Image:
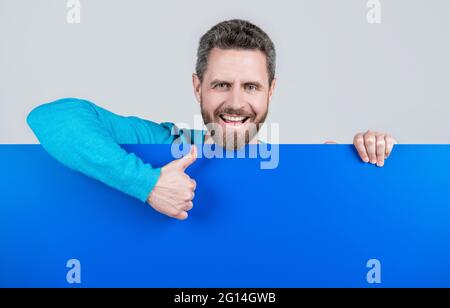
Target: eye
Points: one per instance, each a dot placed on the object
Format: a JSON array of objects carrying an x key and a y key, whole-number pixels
[
  {"x": 252, "y": 87},
  {"x": 222, "y": 86}
]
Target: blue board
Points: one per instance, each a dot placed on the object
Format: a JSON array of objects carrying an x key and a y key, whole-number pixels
[{"x": 314, "y": 221}]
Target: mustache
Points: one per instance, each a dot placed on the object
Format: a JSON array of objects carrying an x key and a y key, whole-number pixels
[{"x": 237, "y": 112}]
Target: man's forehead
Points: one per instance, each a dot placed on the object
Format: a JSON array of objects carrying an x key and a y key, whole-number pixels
[
  {"x": 236, "y": 65},
  {"x": 242, "y": 57}
]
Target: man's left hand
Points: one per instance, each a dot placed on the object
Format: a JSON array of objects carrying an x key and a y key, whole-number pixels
[{"x": 374, "y": 147}]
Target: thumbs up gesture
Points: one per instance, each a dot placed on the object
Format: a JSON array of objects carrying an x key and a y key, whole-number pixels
[{"x": 174, "y": 191}]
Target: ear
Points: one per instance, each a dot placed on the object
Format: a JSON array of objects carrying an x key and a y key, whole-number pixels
[
  {"x": 197, "y": 85},
  {"x": 272, "y": 88}
]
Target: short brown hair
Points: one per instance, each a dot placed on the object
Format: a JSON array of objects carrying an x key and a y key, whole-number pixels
[{"x": 235, "y": 34}]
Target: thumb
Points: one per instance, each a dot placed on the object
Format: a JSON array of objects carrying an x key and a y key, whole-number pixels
[{"x": 188, "y": 159}]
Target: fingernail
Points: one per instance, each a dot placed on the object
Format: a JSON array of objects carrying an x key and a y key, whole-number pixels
[{"x": 380, "y": 164}]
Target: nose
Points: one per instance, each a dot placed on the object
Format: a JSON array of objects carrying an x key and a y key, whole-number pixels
[{"x": 236, "y": 99}]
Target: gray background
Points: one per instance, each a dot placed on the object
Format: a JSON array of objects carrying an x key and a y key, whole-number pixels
[{"x": 337, "y": 74}]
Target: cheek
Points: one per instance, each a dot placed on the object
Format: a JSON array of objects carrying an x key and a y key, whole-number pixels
[
  {"x": 211, "y": 100},
  {"x": 259, "y": 103}
]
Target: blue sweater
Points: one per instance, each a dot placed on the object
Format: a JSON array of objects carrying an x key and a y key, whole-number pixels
[{"x": 86, "y": 138}]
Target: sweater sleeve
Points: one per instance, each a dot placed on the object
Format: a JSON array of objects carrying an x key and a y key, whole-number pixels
[{"x": 86, "y": 138}]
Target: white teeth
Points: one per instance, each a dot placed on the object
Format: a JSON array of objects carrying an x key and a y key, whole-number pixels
[{"x": 233, "y": 119}]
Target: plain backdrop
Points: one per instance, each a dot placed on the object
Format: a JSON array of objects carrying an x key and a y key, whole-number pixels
[{"x": 337, "y": 74}]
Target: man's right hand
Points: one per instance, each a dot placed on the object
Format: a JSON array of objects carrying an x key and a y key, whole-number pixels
[{"x": 174, "y": 190}]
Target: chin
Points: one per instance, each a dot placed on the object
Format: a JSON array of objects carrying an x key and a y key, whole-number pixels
[{"x": 234, "y": 140}]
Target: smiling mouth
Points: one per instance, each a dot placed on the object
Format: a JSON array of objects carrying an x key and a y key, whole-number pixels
[{"x": 233, "y": 119}]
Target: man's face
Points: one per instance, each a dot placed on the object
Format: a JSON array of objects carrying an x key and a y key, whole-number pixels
[{"x": 234, "y": 95}]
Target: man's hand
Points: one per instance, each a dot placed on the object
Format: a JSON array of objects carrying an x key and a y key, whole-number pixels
[
  {"x": 374, "y": 147},
  {"x": 174, "y": 190}
]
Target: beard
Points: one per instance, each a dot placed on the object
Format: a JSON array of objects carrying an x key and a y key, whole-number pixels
[{"x": 230, "y": 138}]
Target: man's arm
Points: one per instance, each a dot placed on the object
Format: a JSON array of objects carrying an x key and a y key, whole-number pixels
[{"x": 86, "y": 138}]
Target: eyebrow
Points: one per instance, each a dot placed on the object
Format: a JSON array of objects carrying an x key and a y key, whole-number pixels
[{"x": 218, "y": 81}]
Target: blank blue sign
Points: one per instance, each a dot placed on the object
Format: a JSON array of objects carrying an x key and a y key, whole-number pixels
[{"x": 317, "y": 220}]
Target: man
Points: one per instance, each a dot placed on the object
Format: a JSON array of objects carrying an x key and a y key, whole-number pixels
[{"x": 234, "y": 83}]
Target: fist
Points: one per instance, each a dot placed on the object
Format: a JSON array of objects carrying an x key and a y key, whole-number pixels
[
  {"x": 374, "y": 147},
  {"x": 174, "y": 191}
]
